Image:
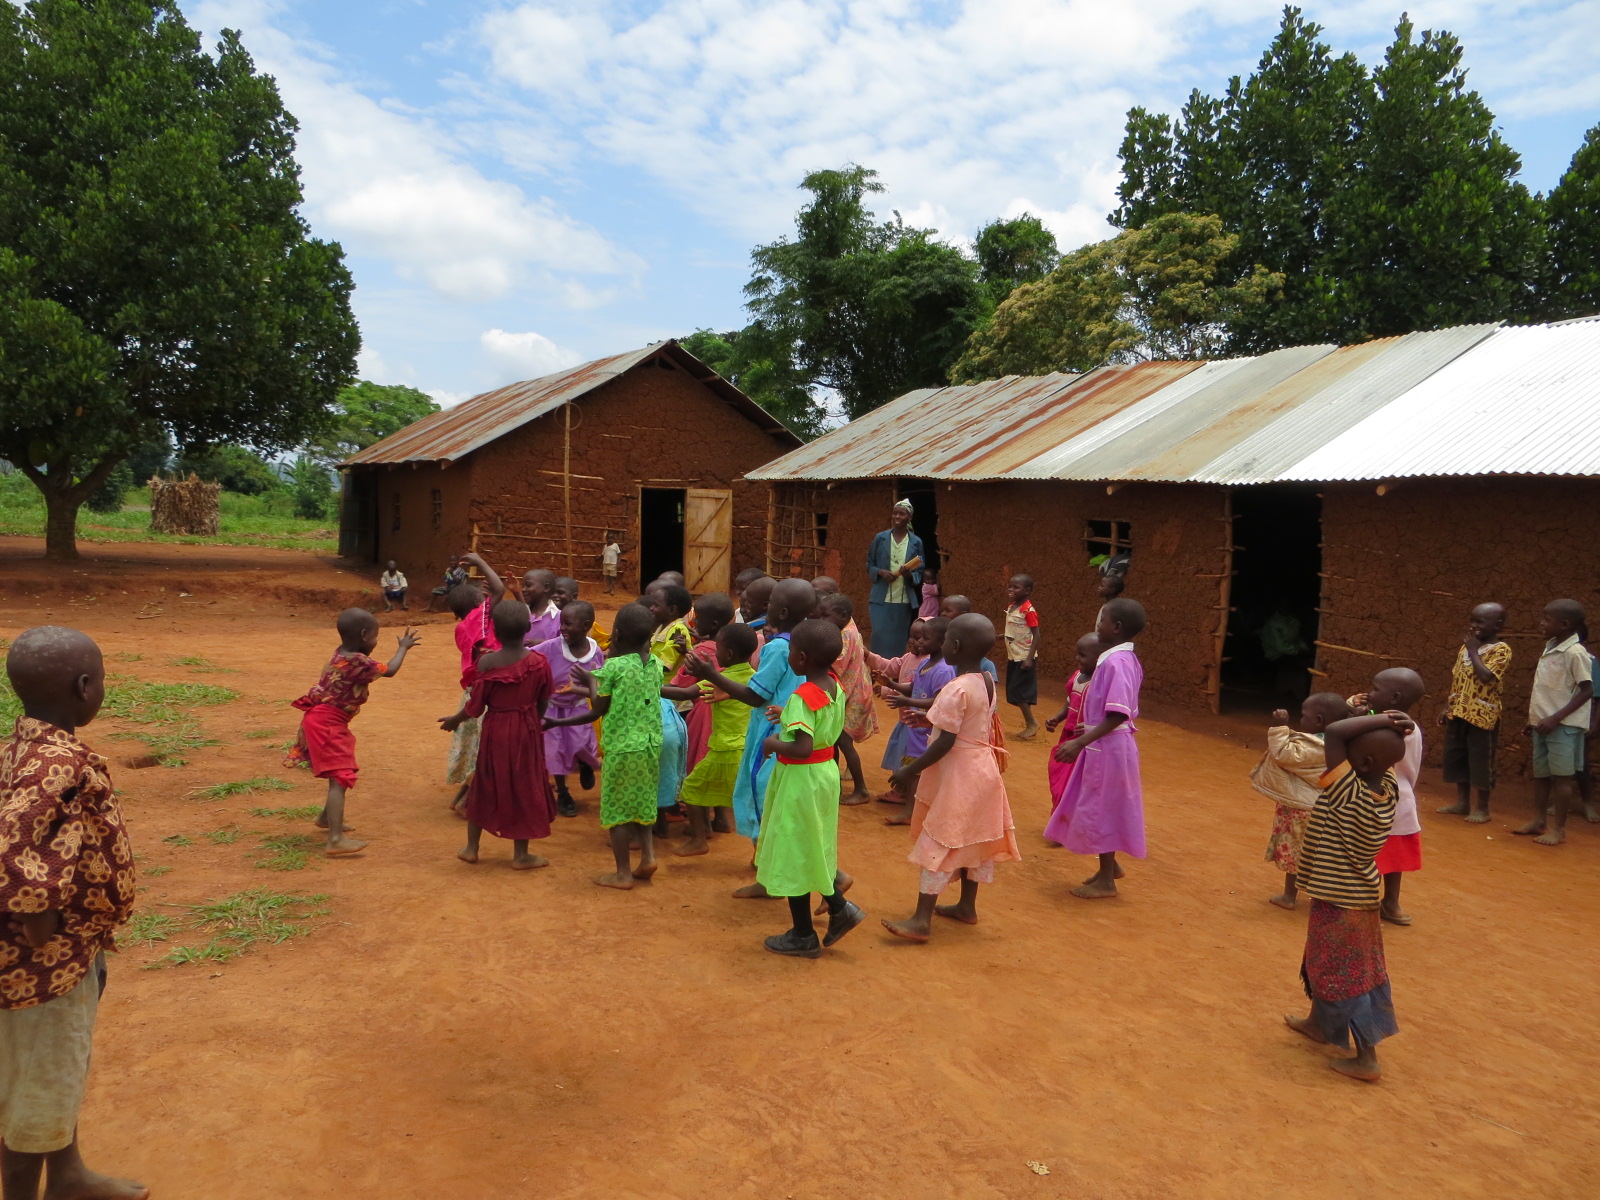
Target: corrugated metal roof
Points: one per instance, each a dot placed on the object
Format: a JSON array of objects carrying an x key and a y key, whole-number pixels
[
  {"x": 1509, "y": 405},
  {"x": 455, "y": 433}
]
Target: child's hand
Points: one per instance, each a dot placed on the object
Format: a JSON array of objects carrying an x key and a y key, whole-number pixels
[
  {"x": 1401, "y": 721},
  {"x": 901, "y": 779},
  {"x": 895, "y": 699},
  {"x": 582, "y": 677},
  {"x": 1280, "y": 716},
  {"x": 451, "y": 723},
  {"x": 773, "y": 713},
  {"x": 1052, "y": 724},
  {"x": 698, "y": 667},
  {"x": 1358, "y": 702},
  {"x": 771, "y": 745},
  {"x": 37, "y": 928},
  {"x": 1548, "y": 726},
  {"x": 1068, "y": 751},
  {"x": 408, "y": 639}
]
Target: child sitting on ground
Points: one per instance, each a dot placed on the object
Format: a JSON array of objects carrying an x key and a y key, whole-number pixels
[
  {"x": 1399, "y": 689},
  {"x": 66, "y": 885},
  {"x": 860, "y": 714},
  {"x": 930, "y": 676},
  {"x": 1471, "y": 716},
  {"x": 454, "y": 576},
  {"x": 569, "y": 748},
  {"x": 1290, "y": 774},
  {"x": 325, "y": 743},
  {"x": 708, "y": 788},
  {"x": 472, "y": 604},
  {"x": 1343, "y": 968},
  {"x": 1070, "y": 719},
  {"x": 626, "y": 691},
  {"x": 1558, "y": 719},
  {"x": 1102, "y": 810},
  {"x": 510, "y": 793},
  {"x": 797, "y": 849},
  {"x": 963, "y": 820},
  {"x": 1022, "y": 652},
  {"x": 393, "y": 584}
]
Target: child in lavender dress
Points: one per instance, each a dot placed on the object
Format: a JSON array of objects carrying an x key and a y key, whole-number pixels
[
  {"x": 926, "y": 683},
  {"x": 1102, "y": 810},
  {"x": 569, "y": 748}
]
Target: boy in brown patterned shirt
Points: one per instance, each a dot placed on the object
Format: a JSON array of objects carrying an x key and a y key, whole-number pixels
[{"x": 66, "y": 883}]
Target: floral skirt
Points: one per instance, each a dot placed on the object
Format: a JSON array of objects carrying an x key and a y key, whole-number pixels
[
  {"x": 464, "y": 749},
  {"x": 1288, "y": 831},
  {"x": 1345, "y": 975}
]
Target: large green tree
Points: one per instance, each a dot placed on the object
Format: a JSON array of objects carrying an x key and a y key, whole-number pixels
[
  {"x": 752, "y": 360},
  {"x": 866, "y": 308},
  {"x": 1573, "y": 287},
  {"x": 365, "y": 413},
  {"x": 154, "y": 271},
  {"x": 1170, "y": 289},
  {"x": 1012, "y": 252}
]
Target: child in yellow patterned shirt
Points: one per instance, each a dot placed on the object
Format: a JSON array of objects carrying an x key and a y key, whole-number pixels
[{"x": 1471, "y": 717}]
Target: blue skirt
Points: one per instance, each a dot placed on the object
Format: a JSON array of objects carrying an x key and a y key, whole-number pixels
[
  {"x": 891, "y": 627},
  {"x": 674, "y": 755}
]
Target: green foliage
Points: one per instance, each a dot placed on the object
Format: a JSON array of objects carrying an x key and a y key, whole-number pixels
[
  {"x": 366, "y": 413},
  {"x": 178, "y": 839},
  {"x": 286, "y": 852},
  {"x": 154, "y": 272},
  {"x": 165, "y": 705},
  {"x": 239, "y": 922},
  {"x": 237, "y": 469},
  {"x": 304, "y": 812},
  {"x": 1385, "y": 199},
  {"x": 10, "y": 706},
  {"x": 146, "y": 929},
  {"x": 1574, "y": 212},
  {"x": 312, "y": 488},
  {"x": 1155, "y": 292},
  {"x": 753, "y": 362},
  {"x": 1013, "y": 252},
  {"x": 226, "y": 836},
  {"x": 110, "y": 496},
  {"x": 243, "y": 787}
]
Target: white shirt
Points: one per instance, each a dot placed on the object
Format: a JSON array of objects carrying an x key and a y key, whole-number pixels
[
  {"x": 611, "y": 554},
  {"x": 1406, "y": 773},
  {"x": 393, "y": 581}
]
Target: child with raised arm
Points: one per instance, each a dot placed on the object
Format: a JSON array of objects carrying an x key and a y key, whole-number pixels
[
  {"x": 1343, "y": 968},
  {"x": 1290, "y": 775},
  {"x": 569, "y": 748},
  {"x": 1558, "y": 720},
  {"x": 1102, "y": 810},
  {"x": 626, "y": 691},
  {"x": 709, "y": 785},
  {"x": 769, "y": 689},
  {"x": 1471, "y": 716},
  {"x": 1399, "y": 689},
  {"x": 326, "y": 744},
  {"x": 471, "y": 602},
  {"x": 510, "y": 793},
  {"x": 797, "y": 849},
  {"x": 932, "y": 673},
  {"x": 860, "y": 714},
  {"x": 66, "y": 885},
  {"x": 963, "y": 820},
  {"x": 1070, "y": 719},
  {"x": 1022, "y": 652}
]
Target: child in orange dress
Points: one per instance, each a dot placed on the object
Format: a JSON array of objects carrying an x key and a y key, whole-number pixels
[
  {"x": 962, "y": 823},
  {"x": 860, "y": 715}
]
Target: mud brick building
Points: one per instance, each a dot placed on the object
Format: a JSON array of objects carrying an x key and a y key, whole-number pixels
[
  {"x": 1366, "y": 496},
  {"x": 651, "y": 444}
]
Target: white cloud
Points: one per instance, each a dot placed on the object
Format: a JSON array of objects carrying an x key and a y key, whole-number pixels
[{"x": 529, "y": 354}]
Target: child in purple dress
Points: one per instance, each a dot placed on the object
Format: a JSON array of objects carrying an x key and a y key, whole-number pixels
[
  {"x": 569, "y": 748},
  {"x": 927, "y": 681},
  {"x": 1102, "y": 810}
]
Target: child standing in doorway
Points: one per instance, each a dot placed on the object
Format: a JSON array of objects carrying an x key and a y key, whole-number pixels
[
  {"x": 1022, "y": 652},
  {"x": 932, "y": 597},
  {"x": 1558, "y": 719},
  {"x": 1471, "y": 716},
  {"x": 569, "y": 748},
  {"x": 1102, "y": 810},
  {"x": 1290, "y": 774}
]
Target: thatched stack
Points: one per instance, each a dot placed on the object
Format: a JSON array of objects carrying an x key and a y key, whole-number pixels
[{"x": 184, "y": 505}]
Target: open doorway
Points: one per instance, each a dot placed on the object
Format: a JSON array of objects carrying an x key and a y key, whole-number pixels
[
  {"x": 660, "y": 532},
  {"x": 925, "y": 515},
  {"x": 1276, "y": 590}
]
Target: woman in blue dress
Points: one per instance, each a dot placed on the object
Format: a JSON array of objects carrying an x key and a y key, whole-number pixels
[{"x": 895, "y": 567}]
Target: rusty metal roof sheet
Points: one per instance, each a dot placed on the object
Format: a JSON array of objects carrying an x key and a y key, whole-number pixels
[
  {"x": 455, "y": 433},
  {"x": 1522, "y": 401}
]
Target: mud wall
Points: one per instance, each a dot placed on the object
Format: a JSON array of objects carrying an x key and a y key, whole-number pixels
[
  {"x": 1402, "y": 571},
  {"x": 991, "y": 531},
  {"x": 421, "y": 518}
]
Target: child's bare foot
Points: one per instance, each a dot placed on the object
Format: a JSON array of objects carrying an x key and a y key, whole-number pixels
[
  {"x": 1478, "y": 816},
  {"x": 84, "y": 1184},
  {"x": 1304, "y": 1027},
  {"x": 467, "y": 854},
  {"x": 1393, "y": 915},
  {"x": 956, "y": 912},
  {"x": 1534, "y": 826},
  {"x": 1356, "y": 1069},
  {"x": 1096, "y": 888},
  {"x": 752, "y": 891},
  {"x": 526, "y": 862},
  {"x": 911, "y": 929},
  {"x": 322, "y": 823},
  {"x": 692, "y": 847},
  {"x": 891, "y": 797},
  {"x": 720, "y": 825},
  {"x": 646, "y": 868},
  {"x": 1554, "y": 838},
  {"x": 1118, "y": 874},
  {"x": 1591, "y": 814},
  {"x": 859, "y": 796},
  {"x": 341, "y": 846},
  {"x": 1457, "y": 809},
  {"x": 1283, "y": 900},
  {"x": 1029, "y": 732},
  {"x": 899, "y": 818},
  {"x": 620, "y": 880}
]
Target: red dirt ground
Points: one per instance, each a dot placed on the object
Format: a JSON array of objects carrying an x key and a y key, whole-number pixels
[{"x": 475, "y": 1032}]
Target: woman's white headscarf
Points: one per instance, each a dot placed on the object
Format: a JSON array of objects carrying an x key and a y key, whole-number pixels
[{"x": 905, "y": 504}]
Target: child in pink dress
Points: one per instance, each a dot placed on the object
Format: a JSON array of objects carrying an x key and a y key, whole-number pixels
[
  {"x": 932, "y": 598},
  {"x": 1070, "y": 718},
  {"x": 893, "y": 674},
  {"x": 1102, "y": 810},
  {"x": 860, "y": 714},
  {"x": 963, "y": 820}
]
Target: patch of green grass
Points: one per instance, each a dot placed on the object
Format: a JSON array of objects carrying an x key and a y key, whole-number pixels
[
  {"x": 167, "y": 705},
  {"x": 129, "y": 657},
  {"x": 286, "y": 852},
  {"x": 306, "y": 812},
  {"x": 153, "y": 872},
  {"x": 146, "y": 929},
  {"x": 243, "y": 787},
  {"x": 10, "y": 706},
  {"x": 226, "y": 836},
  {"x": 244, "y": 920},
  {"x": 256, "y": 735},
  {"x": 195, "y": 663},
  {"x": 178, "y": 839}
]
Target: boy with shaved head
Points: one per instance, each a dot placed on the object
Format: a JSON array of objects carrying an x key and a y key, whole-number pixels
[
  {"x": 1558, "y": 718},
  {"x": 1471, "y": 716},
  {"x": 66, "y": 884},
  {"x": 1398, "y": 689}
]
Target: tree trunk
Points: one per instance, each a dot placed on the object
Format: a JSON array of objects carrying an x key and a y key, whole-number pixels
[{"x": 61, "y": 524}]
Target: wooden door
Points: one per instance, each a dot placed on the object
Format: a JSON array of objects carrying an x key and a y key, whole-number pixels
[{"x": 707, "y": 540}]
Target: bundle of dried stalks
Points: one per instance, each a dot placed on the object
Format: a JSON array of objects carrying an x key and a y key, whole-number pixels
[{"x": 184, "y": 505}]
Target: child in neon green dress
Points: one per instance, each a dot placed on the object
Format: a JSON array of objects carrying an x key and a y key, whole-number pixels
[
  {"x": 797, "y": 850},
  {"x": 710, "y": 784}
]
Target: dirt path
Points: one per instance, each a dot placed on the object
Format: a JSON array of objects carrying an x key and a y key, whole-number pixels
[{"x": 476, "y": 1032}]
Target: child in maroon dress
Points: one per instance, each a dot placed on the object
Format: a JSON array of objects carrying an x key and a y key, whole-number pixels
[{"x": 510, "y": 794}]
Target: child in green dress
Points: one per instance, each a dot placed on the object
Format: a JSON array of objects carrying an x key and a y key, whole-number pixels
[
  {"x": 797, "y": 850},
  {"x": 627, "y": 693},
  {"x": 710, "y": 785}
]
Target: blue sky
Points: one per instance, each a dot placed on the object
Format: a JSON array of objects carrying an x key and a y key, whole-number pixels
[{"x": 523, "y": 186}]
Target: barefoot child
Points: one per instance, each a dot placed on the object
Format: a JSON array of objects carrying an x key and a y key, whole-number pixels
[
  {"x": 510, "y": 793},
  {"x": 325, "y": 743},
  {"x": 1290, "y": 774},
  {"x": 474, "y": 635},
  {"x": 860, "y": 714},
  {"x": 893, "y": 677},
  {"x": 1070, "y": 719},
  {"x": 929, "y": 679},
  {"x": 569, "y": 748},
  {"x": 626, "y": 691},
  {"x": 1471, "y": 716},
  {"x": 610, "y": 560},
  {"x": 797, "y": 850},
  {"x": 709, "y": 785},
  {"x": 712, "y": 613},
  {"x": 1399, "y": 688},
  {"x": 1102, "y": 810},
  {"x": 1343, "y": 967},
  {"x": 1022, "y": 652},
  {"x": 393, "y": 584},
  {"x": 963, "y": 820},
  {"x": 66, "y": 884},
  {"x": 1558, "y": 718}
]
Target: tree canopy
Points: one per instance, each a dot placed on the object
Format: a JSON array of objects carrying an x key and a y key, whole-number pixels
[
  {"x": 1013, "y": 252},
  {"x": 154, "y": 271},
  {"x": 1573, "y": 287},
  {"x": 365, "y": 413},
  {"x": 751, "y": 360}
]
